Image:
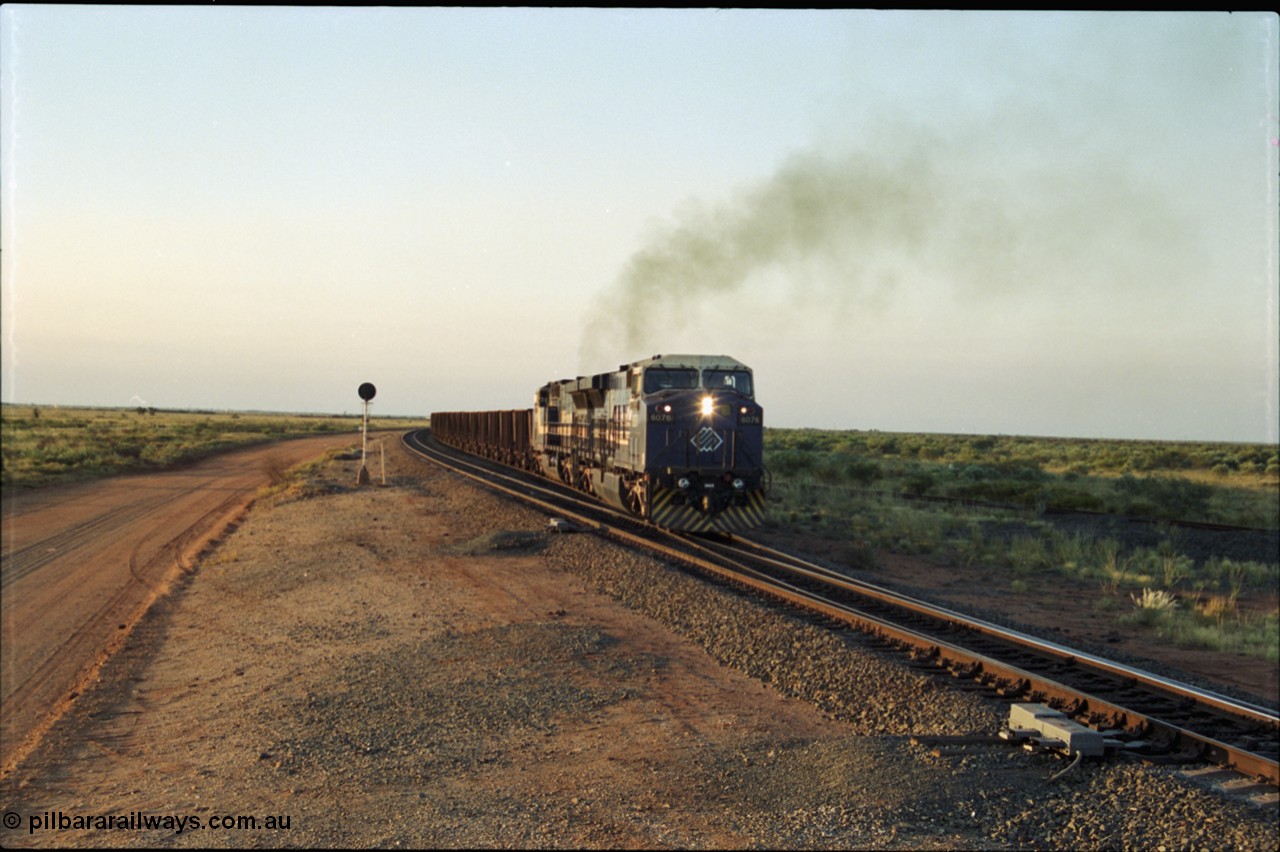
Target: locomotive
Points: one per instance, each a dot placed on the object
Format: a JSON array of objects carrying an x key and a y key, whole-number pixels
[{"x": 675, "y": 439}]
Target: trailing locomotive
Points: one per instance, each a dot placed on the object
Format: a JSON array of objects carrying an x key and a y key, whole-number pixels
[{"x": 675, "y": 439}]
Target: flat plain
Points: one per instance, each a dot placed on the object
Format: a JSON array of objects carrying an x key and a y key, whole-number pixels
[{"x": 382, "y": 666}]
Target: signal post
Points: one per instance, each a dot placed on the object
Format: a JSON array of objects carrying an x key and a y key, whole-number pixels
[{"x": 367, "y": 392}]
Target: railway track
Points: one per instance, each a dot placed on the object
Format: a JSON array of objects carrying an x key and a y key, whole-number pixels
[{"x": 1141, "y": 713}]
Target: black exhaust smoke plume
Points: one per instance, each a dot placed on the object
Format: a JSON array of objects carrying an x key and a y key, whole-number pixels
[
  {"x": 813, "y": 211},
  {"x": 847, "y": 234}
]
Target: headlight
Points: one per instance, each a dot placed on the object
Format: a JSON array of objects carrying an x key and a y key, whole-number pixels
[
  {"x": 707, "y": 405},
  {"x": 682, "y": 482},
  {"x": 738, "y": 485}
]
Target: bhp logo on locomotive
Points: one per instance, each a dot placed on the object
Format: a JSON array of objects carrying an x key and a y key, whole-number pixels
[{"x": 707, "y": 440}]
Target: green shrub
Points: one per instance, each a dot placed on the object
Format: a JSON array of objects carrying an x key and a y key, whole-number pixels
[
  {"x": 918, "y": 484},
  {"x": 1164, "y": 497},
  {"x": 1065, "y": 498},
  {"x": 1013, "y": 491}
]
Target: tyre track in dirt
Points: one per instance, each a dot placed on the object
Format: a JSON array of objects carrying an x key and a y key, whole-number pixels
[
  {"x": 20, "y": 563},
  {"x": 82, "y": 563}
]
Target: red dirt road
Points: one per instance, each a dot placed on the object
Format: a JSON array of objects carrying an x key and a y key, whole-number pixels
[{"x": 81, "y": 563}]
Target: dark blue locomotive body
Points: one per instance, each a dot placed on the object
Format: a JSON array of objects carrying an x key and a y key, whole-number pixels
[{"x": 676, "y": 439}]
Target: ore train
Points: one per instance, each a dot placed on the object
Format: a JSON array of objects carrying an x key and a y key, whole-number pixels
[{"x": 675, "y": 439}]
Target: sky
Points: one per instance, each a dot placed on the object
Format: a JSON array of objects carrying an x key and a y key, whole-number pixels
[{"x": 1032, "y": 223}]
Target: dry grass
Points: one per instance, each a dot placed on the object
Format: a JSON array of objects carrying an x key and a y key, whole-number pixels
[{"x": 43, "y": 445}]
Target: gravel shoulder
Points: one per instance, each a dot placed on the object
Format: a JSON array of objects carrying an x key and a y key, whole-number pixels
[{"x": 423, "y": 664}]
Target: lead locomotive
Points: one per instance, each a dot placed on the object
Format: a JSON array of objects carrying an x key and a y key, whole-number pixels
[{"x": 675, "y": 439}]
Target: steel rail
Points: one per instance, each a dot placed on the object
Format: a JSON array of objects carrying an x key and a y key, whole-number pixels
[
  {"x": 1064, "y": 664},
  {"x": 1227, "y": 704},
  {"x": 729, "y": 563},
  {"x": 555, "y": 497}
]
